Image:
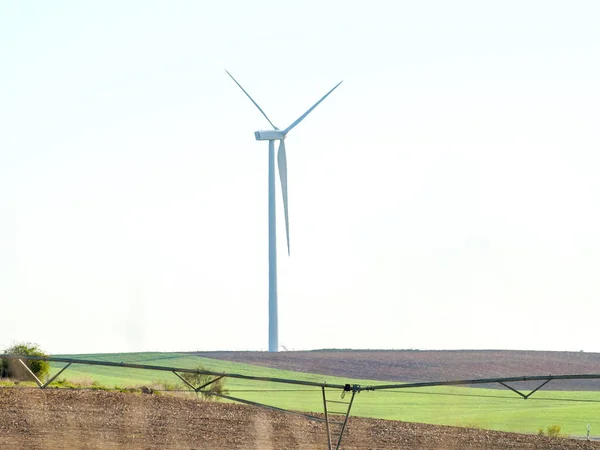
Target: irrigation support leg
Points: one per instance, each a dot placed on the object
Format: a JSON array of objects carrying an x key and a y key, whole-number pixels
[
  {"x": 199, "y": 388},
  {"x": 326, "y": 419},
  {"x": 37, "y": 380},
  {"x": 55, "y": 376},
  {"x": 346, "y": 419},
  {"x": 525, "y": 396},
  {"x": 184, "y": 380},
  {"x": 539, "y": 387}
]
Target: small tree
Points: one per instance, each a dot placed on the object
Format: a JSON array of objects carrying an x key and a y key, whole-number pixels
[
  {"x": 14, "y": 369},
  {"x": 199, "y": 379}
]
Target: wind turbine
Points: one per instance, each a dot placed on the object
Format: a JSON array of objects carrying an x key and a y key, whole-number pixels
[{"x": 276, "y": 135}]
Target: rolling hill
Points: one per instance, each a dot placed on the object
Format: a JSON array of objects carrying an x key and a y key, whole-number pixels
[{"x": 428, "y": 365}]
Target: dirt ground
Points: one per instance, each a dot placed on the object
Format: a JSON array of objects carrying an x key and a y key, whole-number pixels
[{"x": 78, "y": 419}]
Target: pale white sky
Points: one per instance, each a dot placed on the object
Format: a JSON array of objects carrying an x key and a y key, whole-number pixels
[{"x": 445, "y": 196}]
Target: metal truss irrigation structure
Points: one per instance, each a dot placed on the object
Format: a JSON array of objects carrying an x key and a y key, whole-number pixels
[{"x": 335, "y": 421}]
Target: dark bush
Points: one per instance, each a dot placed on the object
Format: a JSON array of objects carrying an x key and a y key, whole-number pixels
[{"x": 14, "y": 369}]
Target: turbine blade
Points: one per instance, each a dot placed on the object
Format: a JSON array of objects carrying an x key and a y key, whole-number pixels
[
  {"x": 282, "y": 163},
  {"x": 301, "y": 118},
  {"x": 252, "y": 100}
]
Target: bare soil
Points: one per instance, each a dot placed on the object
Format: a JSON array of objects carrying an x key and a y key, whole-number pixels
[
  {"x": 429, "y": 365},
  {"x": 74, "y": 419}
]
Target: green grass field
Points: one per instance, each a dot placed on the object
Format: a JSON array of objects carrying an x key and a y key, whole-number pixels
[{"x": 456, "y": 406}]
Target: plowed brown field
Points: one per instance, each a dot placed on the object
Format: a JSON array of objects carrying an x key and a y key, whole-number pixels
[
  {"x": 429, "y": 365},
  {"x": 70, "y": 419}
]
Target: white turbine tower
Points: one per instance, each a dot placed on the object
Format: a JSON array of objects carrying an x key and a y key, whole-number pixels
[{"x": 276, "y": 135}]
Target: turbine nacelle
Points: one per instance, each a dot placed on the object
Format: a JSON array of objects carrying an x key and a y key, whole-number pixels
[{"x": 269, "y": 135}]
